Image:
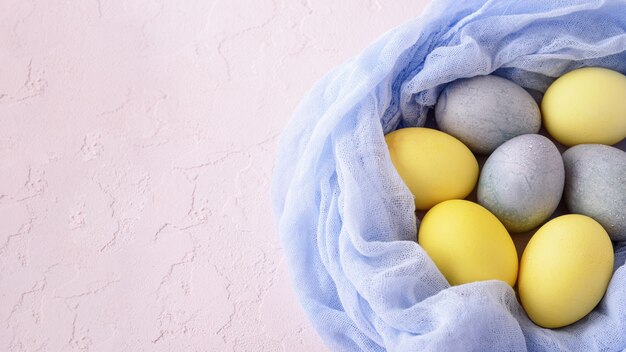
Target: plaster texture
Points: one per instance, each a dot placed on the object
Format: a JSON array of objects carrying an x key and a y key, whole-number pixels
[{"x": 137, "y": 141}]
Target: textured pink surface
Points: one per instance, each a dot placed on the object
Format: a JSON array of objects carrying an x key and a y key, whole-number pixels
[{"x": 137, "y": 140}]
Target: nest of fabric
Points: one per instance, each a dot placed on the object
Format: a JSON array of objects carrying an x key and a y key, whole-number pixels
[{"x": 346, "y": 219}]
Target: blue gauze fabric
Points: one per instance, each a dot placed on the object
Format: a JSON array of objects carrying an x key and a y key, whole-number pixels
[{"x": 347, "y": 221}]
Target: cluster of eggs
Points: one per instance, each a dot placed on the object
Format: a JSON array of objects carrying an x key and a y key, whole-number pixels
[{"x": 566, "y": 266}]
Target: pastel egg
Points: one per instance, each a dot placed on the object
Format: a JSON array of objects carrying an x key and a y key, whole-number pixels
[
  {"x": 595, "y": 185},
  {"x": 485, "y": 111},
  {"x": 434, "y": 165},
  {"x": 586, "y": 106},
  {"x": 565, "y": 270},
  {"x": 468, "y": 243},
  {"x": 522, "y": 182}
]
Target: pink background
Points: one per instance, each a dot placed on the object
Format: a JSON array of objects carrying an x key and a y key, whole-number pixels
[{"x": 137, "y": 141}]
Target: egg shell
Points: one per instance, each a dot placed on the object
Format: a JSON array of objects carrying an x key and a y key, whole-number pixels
[
  {"x": 522, "y": 182},
  {"x": 486, "y": 111},
  {"x": 595, "y": 185},
  {"x": 586, "y": 106},
  {"x": 468, "y": 243},
  {"x": 565, "y": 270},
  {"x": 434, "y": 165}
]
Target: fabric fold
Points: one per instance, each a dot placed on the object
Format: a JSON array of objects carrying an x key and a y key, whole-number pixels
[{"x": 346, "y": 220}]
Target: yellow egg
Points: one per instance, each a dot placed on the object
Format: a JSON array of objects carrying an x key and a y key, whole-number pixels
[
  {"x": 587, "y": 105},
  {"x": 468, "y": 243},
  {"x": 434, "y": 165},
  {"x": 565, "y": 270}
]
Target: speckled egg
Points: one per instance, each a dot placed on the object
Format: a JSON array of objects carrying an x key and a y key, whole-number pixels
[
  {"x": 595, "y": 185},
  {"x": 485, "y": 111},
  {"x": 522, "y": 182}
]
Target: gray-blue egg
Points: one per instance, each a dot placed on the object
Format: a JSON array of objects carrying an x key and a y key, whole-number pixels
[
  {"x": 522, "y": 182},
  {"x": 485, "y": 111},
  {"x": 595, "y": 185}
]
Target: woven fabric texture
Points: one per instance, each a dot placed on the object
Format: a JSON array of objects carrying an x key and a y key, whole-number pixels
[{"x": 347, "y": 221}]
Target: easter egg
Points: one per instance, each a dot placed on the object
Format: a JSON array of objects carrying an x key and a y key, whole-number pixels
[
  {"x": 522, "y": 182},
  {"x": 586, "y": 106},
  {"x": 565, "y": 270},
  {"x": 595, "y": 185},
  {"x": 434, "y": 165},
  {"x": 468, "y": 243},
  {"x": 486, "y": 111}
]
